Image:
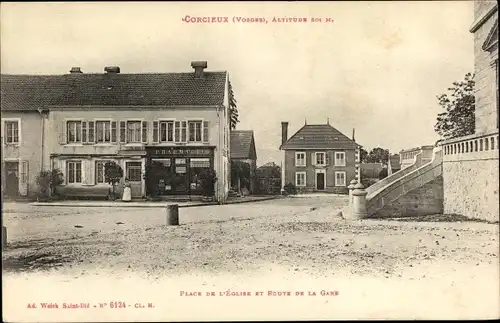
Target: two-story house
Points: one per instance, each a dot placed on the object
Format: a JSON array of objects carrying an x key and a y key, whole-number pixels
[
  {"x": 177, "y": 122},
  {"x": 22, "y": 121},
  {"x": 319, "y": 158}
]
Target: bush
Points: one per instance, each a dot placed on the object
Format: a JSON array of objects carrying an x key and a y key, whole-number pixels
[
  {"x": 383, "y": 173},
  {"x": 208, "y": 178},
  {"x": 43, "y": 181},
  {"x": 290, "y": 189},
  {"x": 113, "y": 173},
  {"x": 48, "y": 181}
]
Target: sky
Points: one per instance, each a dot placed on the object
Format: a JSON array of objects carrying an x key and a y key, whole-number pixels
[{"x": 377, "y": 67}]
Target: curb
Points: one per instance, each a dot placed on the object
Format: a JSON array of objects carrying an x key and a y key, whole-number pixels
[{"x": 146, "y": 205}]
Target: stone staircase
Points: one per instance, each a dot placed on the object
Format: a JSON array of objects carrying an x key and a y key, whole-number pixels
[{"x": 412, "y": 191}]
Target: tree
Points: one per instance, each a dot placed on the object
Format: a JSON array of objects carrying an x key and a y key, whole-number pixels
[
  {"x": 378, "y": 155},
  {"x": 113, "y": 173},
  {"x": 208, "y": 178},
  {"x": 48, "y": 181},
  {"x": 233, "y": 109},
  {"x": 363, "y": 155},
  {"x": 458, "y": 119},
  {"x": 240, "y": 174}
]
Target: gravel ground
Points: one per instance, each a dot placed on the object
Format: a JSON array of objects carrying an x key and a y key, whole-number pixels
[{"x": 299, "y": 242}]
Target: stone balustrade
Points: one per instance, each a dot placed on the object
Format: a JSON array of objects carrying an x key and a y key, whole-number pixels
[
  {"x": 407, "y": 156},
  {"x": 473, "y": 147}
]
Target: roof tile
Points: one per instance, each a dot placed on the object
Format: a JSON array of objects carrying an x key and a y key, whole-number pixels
[{"x": 29, "y": 92}]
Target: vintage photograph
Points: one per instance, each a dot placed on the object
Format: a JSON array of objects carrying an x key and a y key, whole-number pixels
[{"x": 229, "y": 161}]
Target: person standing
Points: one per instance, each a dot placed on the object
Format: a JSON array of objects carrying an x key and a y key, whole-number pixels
[{"x": 127, "y": 194}]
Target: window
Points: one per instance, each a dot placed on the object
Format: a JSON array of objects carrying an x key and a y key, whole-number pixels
[
  {"x": 74, "y": 131},
  {"x": 99, "y": 172},
  {"x": 166, "y": 131},
  {"x": 195, "y": 131},
  {"x": 300, "y": 179},
  {"x": 320, "y": 159},
  {"x": 74, "y": 172},
  {"x": 134, "y": 171},
  {"x": 300, "y": 159},
  {"x": 103, "y": 131},
  {"x": 340, "y": 179},
  {"x": 11, "y": 132},
  {"x": 339, "y": 158},
  {"x": 134, "y": 132}
]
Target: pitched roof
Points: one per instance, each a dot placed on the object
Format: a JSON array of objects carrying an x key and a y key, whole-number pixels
[
  {"x": 322, "y": 136},
  {"x": 29, "y": 92},
  {"x": 242, "y": 144}
]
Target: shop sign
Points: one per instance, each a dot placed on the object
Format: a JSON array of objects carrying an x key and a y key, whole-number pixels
[{"x": 181, "y": 151}]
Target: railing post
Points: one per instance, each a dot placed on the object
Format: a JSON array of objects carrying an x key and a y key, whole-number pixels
[
  {"x": 351, "y": 189},
  {"x": 359, "y": 202}
]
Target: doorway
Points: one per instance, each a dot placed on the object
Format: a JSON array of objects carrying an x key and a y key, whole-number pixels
[
  {"x": 320, "y": 179},
  {"x": 134, "y": 175},
  {"x": 11, "y": 179}
]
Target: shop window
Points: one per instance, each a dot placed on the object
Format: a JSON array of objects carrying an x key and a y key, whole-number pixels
[{"x": 196, "y": 167}]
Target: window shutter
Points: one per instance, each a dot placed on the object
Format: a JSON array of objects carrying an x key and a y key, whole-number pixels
[
  {"x": 123, "y": 132},
  {"x": 296, "y": 164},
  {"x": 327, "y": 158},
  {"x": 156, "y": 138},
  {"x": 144, "y": 132},
  {"x": 84, "y": 132},
  {"x": 205, "y": 131},
  {"x": 313, "y": 158},
  {"x": 23, "y": 179},
  {"x": 87, "y": 165},
  {"x": 113, "y": 132},
  {"x": 61, "y": 164},
  {"x": 183, "y": 131},
  {"x": 91, "y": 132},
  {"x": 62, "y": 133}
]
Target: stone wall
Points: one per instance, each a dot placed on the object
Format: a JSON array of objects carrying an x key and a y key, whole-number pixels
[
  {"x": 424, "y": 200},
  {"x": 471, "y": 188}
]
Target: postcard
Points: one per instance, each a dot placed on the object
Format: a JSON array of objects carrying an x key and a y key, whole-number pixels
[{"x": 229, "y": 161}]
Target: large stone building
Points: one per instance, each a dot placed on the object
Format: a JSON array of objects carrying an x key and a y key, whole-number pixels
[
  {"x": 470, "y": 164},
  {"x": 177, "y": 122},
  {"x": 319, "y": 158}
]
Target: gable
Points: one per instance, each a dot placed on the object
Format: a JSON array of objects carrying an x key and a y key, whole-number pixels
[
  {"x": 492, "y": 37},
  {"x": 242, "y": 145},
  {"x": 319, "y": 137}
]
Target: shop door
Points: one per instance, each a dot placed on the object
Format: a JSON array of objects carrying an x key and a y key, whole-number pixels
[
  {"x": 181, "y": 179},
  {"x": 134, "y": 175}
]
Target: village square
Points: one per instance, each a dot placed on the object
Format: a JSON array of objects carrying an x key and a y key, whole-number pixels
[{"x": 156, "y": 176}]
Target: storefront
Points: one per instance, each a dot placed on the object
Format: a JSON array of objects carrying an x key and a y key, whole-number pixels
[{"x": 177, "y": 170}]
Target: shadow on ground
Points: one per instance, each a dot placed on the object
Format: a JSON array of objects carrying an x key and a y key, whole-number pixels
[{"x": 30, "y": 262}]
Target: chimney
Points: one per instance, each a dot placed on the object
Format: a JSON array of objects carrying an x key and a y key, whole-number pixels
[
  {"x": 353, "y": 130},
  {"x": 198, "y": 66},
  {"x": 112, "y": 69},
  {"x": 75, "y": 70},
  {"x": 284, "y": 132}
]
